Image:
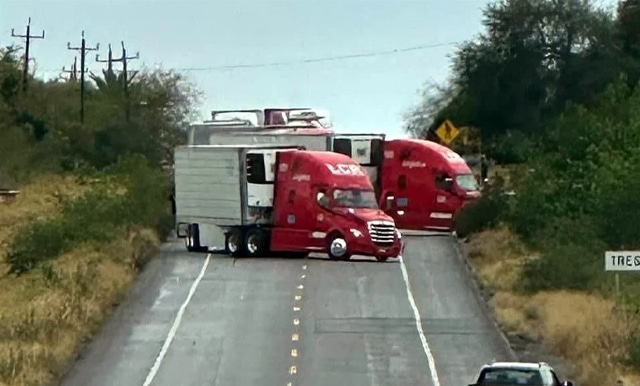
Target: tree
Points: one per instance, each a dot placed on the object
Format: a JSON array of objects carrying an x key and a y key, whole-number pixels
[
  {"x": 533, "y": 58},
  {"x": 42, "y": 132}
]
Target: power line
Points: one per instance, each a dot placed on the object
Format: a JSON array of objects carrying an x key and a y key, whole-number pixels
[
  {"x": 318, "y": 60},
  {"x": 312, "y": 60},
  {"x": 27, "y": 37}
]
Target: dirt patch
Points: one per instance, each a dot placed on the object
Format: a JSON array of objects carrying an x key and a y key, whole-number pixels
[
  {"x": 578, "y": 333},
  {"x": 47, "y": 314}
]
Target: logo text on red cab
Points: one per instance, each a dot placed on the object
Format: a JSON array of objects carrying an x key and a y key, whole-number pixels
[{"x": 345, "y": 170}]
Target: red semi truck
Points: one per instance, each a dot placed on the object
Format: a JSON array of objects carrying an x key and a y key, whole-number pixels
[
  {"x": 279, "y": 199},
  {"x": 421, "y": 184},
  {"x": 424, "y": 183}
]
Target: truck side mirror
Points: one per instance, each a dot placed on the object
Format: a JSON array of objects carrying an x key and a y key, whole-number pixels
[
  {"x": 182, "y": 230},
  {"x": 323, "y": 200},
  {"x": 389, "y": 202}
]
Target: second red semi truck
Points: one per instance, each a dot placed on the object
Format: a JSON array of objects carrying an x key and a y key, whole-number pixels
[
  {"x": 279, "y": 199},
  {"x": 420, "y": 184}
]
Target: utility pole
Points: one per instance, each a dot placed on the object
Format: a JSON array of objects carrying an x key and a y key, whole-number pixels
[
  {"x": 73, "y": 72},
  {"x": 125, "y": 73},
  {"x": 125, "y": 78},
  {"x": 83, "y": 52},
  {"x": 109, "y": 61},
  {"x": 27, "y": 37}
]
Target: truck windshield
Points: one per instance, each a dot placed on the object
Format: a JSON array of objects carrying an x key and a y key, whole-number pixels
[
  {"x": 467, "y": 182},
  {"x": 354, "y": 198}
]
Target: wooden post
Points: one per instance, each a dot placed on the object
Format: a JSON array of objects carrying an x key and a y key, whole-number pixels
[{"x": 620, "y": 298}]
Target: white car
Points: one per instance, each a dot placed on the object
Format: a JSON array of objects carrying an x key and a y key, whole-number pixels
[{"x": 519, "y": 373}]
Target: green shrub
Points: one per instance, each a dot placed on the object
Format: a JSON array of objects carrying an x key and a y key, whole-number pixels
[
  {"x": 570, "y": 267},
  {"x": 513, "y": 147},
  {"x": 99, "y": 216},
  {"x": 94, "y": 217},
  {"x": 571, "y": 256},
  {"x": 40, "y": 241},
  {"x": 483, "y": 213}
]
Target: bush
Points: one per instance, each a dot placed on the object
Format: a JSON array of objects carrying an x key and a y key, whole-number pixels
[
  {"x": 483, "y": 213},
  {"x": 94, "y": 217},
  {"x": 40, "y": 241},
  {"x": 569, "y": 267},
  {"x": 130, "y": 195},
  {"x": 511, "y": 148}
]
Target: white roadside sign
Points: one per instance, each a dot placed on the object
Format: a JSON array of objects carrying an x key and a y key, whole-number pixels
[{"x": 622, "y": 261}]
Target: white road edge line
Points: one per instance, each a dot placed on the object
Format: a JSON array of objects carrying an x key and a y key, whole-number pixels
[
  {"x": 176, "y": 324},
  {"x": 418, "y": 318}
]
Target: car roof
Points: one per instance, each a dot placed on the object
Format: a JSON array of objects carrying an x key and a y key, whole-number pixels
[{"x": 515, "y": 365}]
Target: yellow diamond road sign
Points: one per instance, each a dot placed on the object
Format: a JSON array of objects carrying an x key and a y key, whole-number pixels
[{"x": 447, "y": 132}]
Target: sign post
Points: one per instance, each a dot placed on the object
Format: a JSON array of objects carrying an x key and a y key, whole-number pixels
[{"x": 621, "y": 261}]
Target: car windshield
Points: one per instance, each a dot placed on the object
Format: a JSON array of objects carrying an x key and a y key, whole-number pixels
[
  {"x": 467, "y": 182},
  {"x": 354, "y": 198},
  {"x": 511, "y": 377}
]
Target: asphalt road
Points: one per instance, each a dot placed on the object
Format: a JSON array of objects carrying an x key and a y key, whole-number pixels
[{"x": 278, "y": 322}]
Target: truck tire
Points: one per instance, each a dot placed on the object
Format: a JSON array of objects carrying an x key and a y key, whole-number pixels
[
  {"x": 336, "y": 242},
  {"x": 382, "y": 259},
  {"x": 234, "y": 242},
  {"x": 255, "y": 242}
]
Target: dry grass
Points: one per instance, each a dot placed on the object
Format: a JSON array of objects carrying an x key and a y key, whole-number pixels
[
  {"x": 583, "y": 328},
  {"x": 47, "y": 314}
]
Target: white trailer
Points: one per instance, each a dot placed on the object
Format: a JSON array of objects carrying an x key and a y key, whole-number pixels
[
  {"x": 365, "y": 149},
  {"x": 217, "y": 187}
]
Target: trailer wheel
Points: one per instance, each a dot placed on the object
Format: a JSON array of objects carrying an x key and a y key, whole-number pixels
[
  {"x": 337, "y": 247},
  {"x": 254, "y": 242},
  {"x": 234, "y": 242}
]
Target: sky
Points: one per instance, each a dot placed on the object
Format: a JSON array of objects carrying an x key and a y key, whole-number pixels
[{"x": 363, "y": 94}]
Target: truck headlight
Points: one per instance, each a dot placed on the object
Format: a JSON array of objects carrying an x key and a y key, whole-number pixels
[
  {"x": 355, "y": 232},
  {"x": 398, "y": 234}
]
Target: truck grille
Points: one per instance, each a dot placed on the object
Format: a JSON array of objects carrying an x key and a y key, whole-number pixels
[{"x": 382, "y": 232}]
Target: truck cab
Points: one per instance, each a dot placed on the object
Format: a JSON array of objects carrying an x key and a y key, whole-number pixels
[
  {"x": 424, "y": 184},
  {"x": 325, "y": 202}
]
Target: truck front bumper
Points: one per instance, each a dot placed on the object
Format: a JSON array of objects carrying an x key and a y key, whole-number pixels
[{"x": 364, "y": 246}]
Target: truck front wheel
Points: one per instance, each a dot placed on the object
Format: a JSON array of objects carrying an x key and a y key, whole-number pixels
[{"x": 337, "y": 247}]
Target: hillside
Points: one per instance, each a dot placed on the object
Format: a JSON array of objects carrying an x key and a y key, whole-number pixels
[{"x": 93, "y": 205}]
